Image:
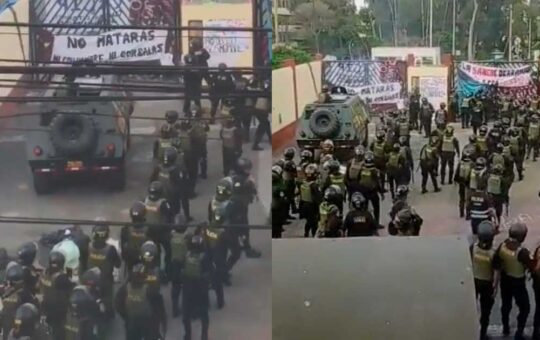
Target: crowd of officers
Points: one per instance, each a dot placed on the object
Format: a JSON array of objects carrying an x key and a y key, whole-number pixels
[
  {"x": 154, "y": 250},
  {"x": 221, "y": 85}
]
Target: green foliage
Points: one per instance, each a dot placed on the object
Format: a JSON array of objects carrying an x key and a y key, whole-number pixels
[{"x": 281, "y": 53}]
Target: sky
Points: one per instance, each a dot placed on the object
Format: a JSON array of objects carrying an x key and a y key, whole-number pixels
[{"x": 360, "y": 3}]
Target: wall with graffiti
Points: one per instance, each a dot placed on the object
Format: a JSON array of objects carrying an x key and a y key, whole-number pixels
[{"x": 232, "y": 48}]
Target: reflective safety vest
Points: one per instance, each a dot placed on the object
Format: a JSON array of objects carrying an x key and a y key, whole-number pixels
[
  {"x": 178, "y": 247},
  {"x": 393, "y": 161},
  {"x": 193, "y": 266},
  {"x": 228, "y": 137},
  {"x": 153, "y": 215},
  {"x": 448, "y": 144},
  {"x": 305, "y": 192},
  {"x": 185, "y": 140},
  {"x": 404, "y": 129},
  {"x": 354, "y": 170},
  {"x": 137, "y": 304},
  {"x": 428, "y": 154},
  {"x": 324, "y": 212},
  {"x": 482, "y": 261},
  {"x": 514, "y": 144},
  {"x": 465, "y": 103},
  {"x": 366, "y": 179},
  {"x": 465, "y": 168},
  {"x": 163, "y": 144},
  {"x": 481, "y": 142},
  {"x": 475, "y": 178},
  {"x": 479, "y": 207},
  {"x": 498, "y": 159},
  {"x": 534, "y": 130},
  {"x": 494, "y": 185},
  {"x": 510, "y": 263},
  {"x": 507, "y": 151},
  {"x": 212, "y": 236},
  {"x": 338, "y": 180},
  {"x": 378, "y": 150}
]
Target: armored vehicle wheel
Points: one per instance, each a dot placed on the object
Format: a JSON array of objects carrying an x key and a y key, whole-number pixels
[
  {"x": 324, "y": 123},
  {"x": 117, "y": 180},
  {"x": 43, "y": 185},
  {"x": 73, "y": 134}
]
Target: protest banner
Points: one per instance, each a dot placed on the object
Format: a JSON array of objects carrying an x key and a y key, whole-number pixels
[
  {"x": 435, "y": 89},
  {"x": 227, "y": 47},
  {"x": 379, "y": 94},
  {"x": 503, "y": 76},
  {"x": 113, "y": 46}
]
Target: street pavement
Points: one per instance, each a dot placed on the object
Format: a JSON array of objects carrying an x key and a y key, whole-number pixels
[
  {"x": 441, "y": 215},
  {"x": 248, "y": 302}
]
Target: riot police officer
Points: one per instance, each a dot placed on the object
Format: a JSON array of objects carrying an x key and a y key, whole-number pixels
[
  {"x": 193, "y": 84},
  {"x": 514, "y": 260},
  {"x": 289, "y": 178},
  {"x": 370, "y": 184},
  {"x": 406, "y": 154},
  {"x": 150, "y": 260},
  {"x": 221, "y": 85},
  {"x": 55, "y": 289},
  {"x": 426, "y": 113},
  {"x": 533, "y": 137},
  {"x": 132, "y": 237},
  {"x": 486, "y": 276},
  {"x": 497, "y": 189},
  {"x": 399, "y": 203},
  {"x": 105, "y": 257},
  {"x": 18, "y": 291},
  {"x": 171, "y": 118},
  {"x": 27, "y": 326},
  {"x": 141, "y": 307},
  {"x": 327, "y": 148},
  {"x": 175, "y": 182},
  {"x": 335, "y": 177},
  {"x": 395, "y": 167},
  {"x": 178, "y": 257},
  {"x": 199, "y": 139},
  {"x": 462, "y": 178},
  {"x": 359, "y": 221},
  {"x": 195, "y": 300},
  {"x": 414, "y": 109},
  {"x": 190, "y": 158},
  {"x": 215, "y": 243},
  {"x": 482, "y": 142},
  {"x": 517, "y": 147},
  {"x": 449, "y": 149},
  {"x": 310, "y": 199},
  {"x": 478, "y": 178},
  {"x": 441, "y": 115},
  {"x": 480, "y": 209},
  {"x": 244, "y": 193},
  {"x": 81, "y": 320},
  {"x": 232, "y": 145},
  {"x": 329, "y": 215},
  {"x": 407, "y": 223},
  {"x": 306, "y": 158},
  {"x": 429, "y": 162},
  {"x": 472, "y": 148},
  {"x": 477, "y": 116},
  {"x": 380, "y": 149},
  {"x": 403, "y": 129},
  {"x": 352, "y": 171},
  {"x": 466, "y": 104},
  {"x": 26, "y": 255},
  {"x": 164, "y": 141},
  {"x": 494, "y": 136},
  {"x": 280, "y": 203}
]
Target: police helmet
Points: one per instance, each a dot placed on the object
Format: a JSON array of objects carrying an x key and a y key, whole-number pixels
[
  {"x": 277, "y": 172},
  {"x": 330, "y": 194},
  {"x": 244, "y": 165},
  {"x": 171, "y": 116},
  {"x": 424, "y": 100},
  {"x": 311, "y": 170},
  {"x": 518, "y": 231},
  {"x": 497, "y": 124},
  {"x": 500, "y": 147},
  {"x": 80, "y": 300},
  {"x": 222, "y": 66},
  {"x": 224, "y": 187},
  {"x": 403, "y": 140},
  {"x": 449, "y": 130},
  {"x": 359, "y": 151},
  {"x": 514, "y": 132},
  {"x": 137, "y": 212},
  {"x": 506, "y": 122},
  {"x": 166, "y": 131},
  {"x": 56, "y": 260},
  {"x": 380, "y": 135},
  {"x": 505, "y": 141},
  {"x": 403, "y": 217},
  {"x": 26, "y": 317},
  {"x": 101, "y": 232},
  {"x": 358, "y": 201},
  {"x": 27, "y": 253},
  {"x": 328, "y": 145},
  {"x": 472, "y": 139},
  {"x": 483, "y": 130},
  {"x": 306, "y": 155},
  {"x": 402, "y": 191},
  {"x": 334, "y": 166},
  {"x": 14, "y": 273},
  {"x": 169, "y": 156},
  {"x": 486, "y": 232},
  {"x": 466, "y": 155},
  {"x": 480, "y": 163},
  {"x": 498, "y": 169},
  {"x": 155, "y": 190},
  {"x": 148, "y": 251},
  {"x": 289, "y": 153},
  {"x": 91, "y": 277},
  {"x": 369, "y": 159},
  {"x": 396, "y": 147}
]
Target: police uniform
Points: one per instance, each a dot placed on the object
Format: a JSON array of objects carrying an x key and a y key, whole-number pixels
[
  {"x": 466, "y": 104},
  {"x": 199, "y": 140},
  {"x": 497, "y": 190},
  {"x": 360, "y": 223},
  {"x": 533, "y": 139},
  {"x": 449, "y": 147},
  {"x": 463, "y": 178},
  {"x": 414, "y": 109},
  {"x": 310, "y": 199},
  {"x": 231, "y": 147},
  {"x": 131, "y": 240},
  {"x": 370, "y": 186},
  {"x": 380, "y": 153},
  {"x": 484, "y": 275},
  {"x": 193, "y": 84},
  {"x": 479, "y": 208},
  {"x": 222, "y": 84},
  {"x": 280, "y": 206},
  {"x": 12, "y": 298},
  {"x": 394, "y": 169},
  {"x": 426, "y": 113},
  {"x": 176, "y": 184},
  {"x": 518, "y": 151},
  {"x": 329, "y": 220},
  {"x": 352, "y": 174},
  {"x": 429, "y": 160},
  {"x": 178, "y": 257},
  {"x": 105, "y": 257},
  {"x": 289, "y": 181},
  {"x": 160, "y": 212},
  {"x": 477, "y": 116},
  {"x": 55, "y": 289}
]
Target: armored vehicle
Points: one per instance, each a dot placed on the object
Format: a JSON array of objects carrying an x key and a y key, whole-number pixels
[
  {"x": 76, "y": 138},
  {"x": 342, "y": 117}
]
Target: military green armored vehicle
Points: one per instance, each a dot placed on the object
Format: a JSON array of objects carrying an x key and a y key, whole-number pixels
[
  {"x": 342, "y": 117},
  {"x": 81, "y": 138}
]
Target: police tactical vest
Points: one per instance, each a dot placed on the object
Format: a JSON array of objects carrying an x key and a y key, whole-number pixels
[
  {"x": 164, "y": 177},
  {"x": 479, "y": 206},
  {"x": 510, "y": 263},
  {"x": 378, "y": 150},
  {"x": 212, "y": 236},
  {"x": 482, "y": 263},
  {"x": 98, "y": 258},
  {"x": 163, "y": 144},
  {"x": 289, "y": 175},
  {"x": 366, "y": 179},
  {"x": 185, "y": 140},
  {"x": 11, "y": 302},
  {"x": 428, "y": 154},
  {"x": 474, "y": 180},
  {"x": 48, "y": 288},
  {"x": 514, "y": 145},
  {"x": 137, "y": 305},
  {"x": 354, "y": 170},
  {"x": 404, "y": 129},
  {"x": 498, "y": 159},
  {"x": 534, "y": 129},
  {"x": 507, "y": 151},
  {"x": 178, "y": 247},
  {"x": 494, "y": 185},
  {"x": 393, "y": 161},
  {"x": 228, "y": 137},
  {"x": 153, "y": 215},
  {"x": 305, "y": 192},
  {"x": 324, "y": 212},
  {"x": 465, "y": 103},
  {"x": 448, "y": 144},
  {"x": 465, "y": 170},
  {"x": 72, "y": 327},
  {"x": 481, "y": 142},
  {"x": 505, "y": 107},
  {"x": 193, "y": 266},
  {"x": 199, "y": 133},
  {"x": 136, "y": 238},
  {"x": 338, "y": 180}
]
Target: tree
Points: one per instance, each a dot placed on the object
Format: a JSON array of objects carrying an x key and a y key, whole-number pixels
[
  {"x": 470, "y": 45},
  {"x": 315, "y": 18}
]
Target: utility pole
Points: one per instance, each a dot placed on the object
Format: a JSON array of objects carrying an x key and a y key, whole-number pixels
[
  {"x": 511, "y": 19},
  {"x": 430, "y": 23},
  {"x": 530, "y": 39},
  {"x": 454, "y": 28},
  {"x": 276, "y": 22}
]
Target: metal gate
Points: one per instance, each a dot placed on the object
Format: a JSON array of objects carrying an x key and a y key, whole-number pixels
[{"x": 368, "y": 77}]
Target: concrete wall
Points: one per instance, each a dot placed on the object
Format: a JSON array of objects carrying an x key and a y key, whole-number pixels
[
  {"x": 293, "y": 86},
  {"x": 219, "y": 11},
  {"x": 432, "y": 80},
  {"x": 9, "y": 40}
]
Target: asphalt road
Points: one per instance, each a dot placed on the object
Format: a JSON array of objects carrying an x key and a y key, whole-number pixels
[
  {"x": 441, "y": 215},
  {"x": 248, "y": 302}
]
